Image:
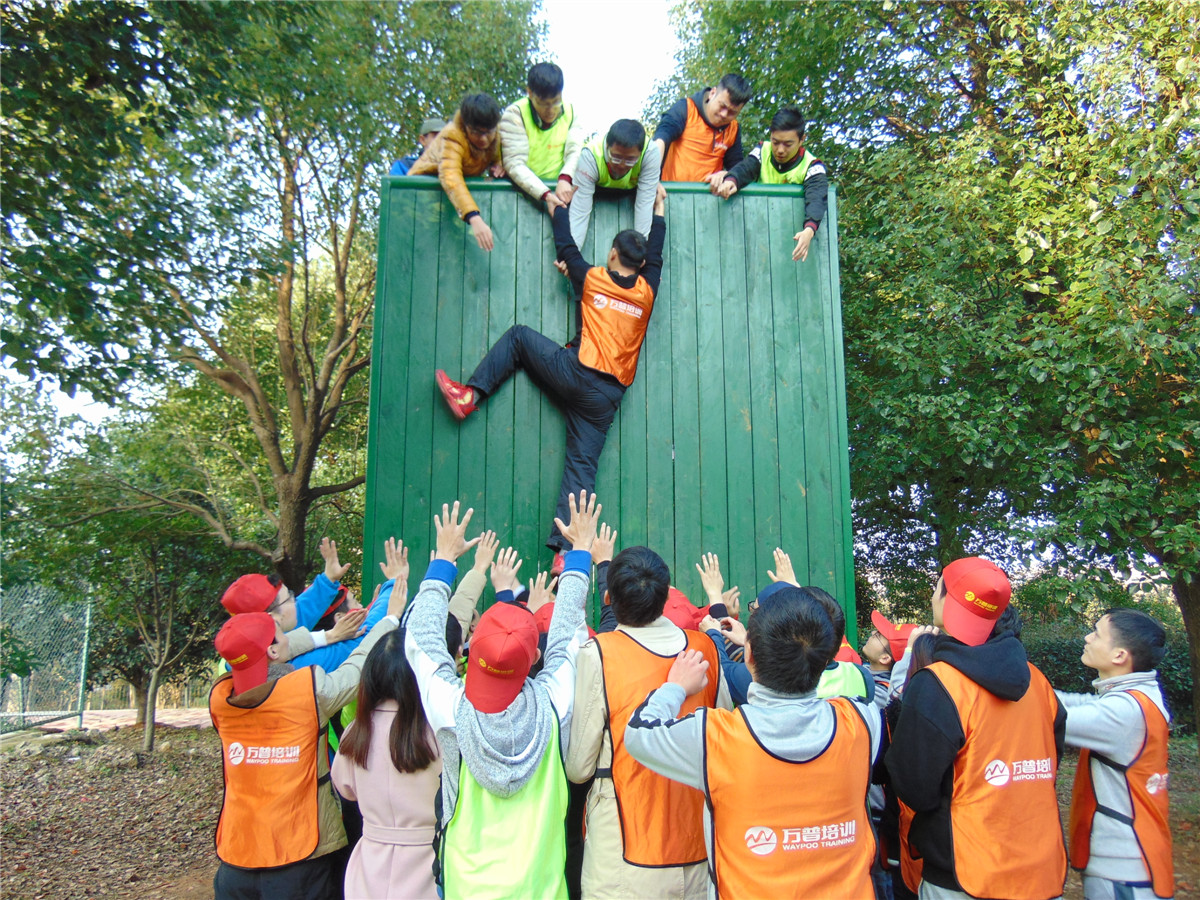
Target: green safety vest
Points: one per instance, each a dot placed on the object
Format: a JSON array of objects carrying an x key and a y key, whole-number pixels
[
  {"x": 768, "y": 174},
  {"x": 847, "y": 680},
  {"x": 509, "y": 847},
  {"x": 603, "y": 179},
  {"x": 546, "y": 145}
]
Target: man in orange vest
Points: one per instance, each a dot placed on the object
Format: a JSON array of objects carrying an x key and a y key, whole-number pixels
[
  {"x": 643, "y": 834},
  {"x": 280, "y": 822},
  {"x": 1120, "y": 834},
  {"x": 698, "y": 137},
  {"x": 976, "y": 749},
  {"x": 587, "y": 378},
  {"x": 786, "y": 775}
]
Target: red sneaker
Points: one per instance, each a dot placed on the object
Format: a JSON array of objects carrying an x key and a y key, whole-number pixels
[
  {"x": 459, "y": 397},
  {"x": 556, "y": 567}
]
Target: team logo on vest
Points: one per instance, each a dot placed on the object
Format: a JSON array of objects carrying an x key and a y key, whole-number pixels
[
  {"x": 761, "y": 840},
  {"x": 600, "y": 301},
  {"x": 996, "y": 774},
  {"x": 263, "y": 756},
  {"x": 1156, "y": 782}
]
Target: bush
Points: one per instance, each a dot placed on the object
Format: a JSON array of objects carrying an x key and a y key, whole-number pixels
[{"x": 1055, "y": 649}]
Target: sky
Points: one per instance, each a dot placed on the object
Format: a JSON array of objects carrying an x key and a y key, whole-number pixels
[{"x": 611, "y": 53}]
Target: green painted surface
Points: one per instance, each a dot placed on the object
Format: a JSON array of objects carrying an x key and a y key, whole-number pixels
[{"x": 732, "y": 439}]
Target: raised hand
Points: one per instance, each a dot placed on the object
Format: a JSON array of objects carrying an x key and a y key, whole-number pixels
[
  {"x": 734, "y": 630},
  {"x": 348, "y": 626},
  {"x": 783, "y": 569},
  {"x": 504, "y": 570},
  {"x": 334, "y": 570},
  {"x": 540, "y": 593},
  {"x": 395, "y": 560},
  {"x": 585, "y": 516},
  {"x": 604, "y": 545},
  {"x": 451, "y": 540},
  {"x": 732, "y": 599},
  {"x": 709, "y": 568},
  {"x": 689, "y": 671},
  {"x": 485, "y": 551}
]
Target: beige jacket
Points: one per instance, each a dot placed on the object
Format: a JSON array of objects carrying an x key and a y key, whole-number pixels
[{"x": 605, "y": 872}]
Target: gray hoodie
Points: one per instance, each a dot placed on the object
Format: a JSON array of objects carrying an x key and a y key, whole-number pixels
[
  {"x": 1110, "y": 723},
  {"x": 501, "y": 750}
]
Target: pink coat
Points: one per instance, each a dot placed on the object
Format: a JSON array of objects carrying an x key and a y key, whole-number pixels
[{"x": 394, "y": 859}]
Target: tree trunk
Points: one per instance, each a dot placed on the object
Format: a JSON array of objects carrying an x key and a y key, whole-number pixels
[
  {"x": 151, "y": 703},
  {"x": 293, "y": 517},
  {"x": 1187, "y": 595},
  {"x": 139, "y": 700}
]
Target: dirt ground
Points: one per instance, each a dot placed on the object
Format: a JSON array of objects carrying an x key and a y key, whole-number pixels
[{"x": 85, "y": 815}]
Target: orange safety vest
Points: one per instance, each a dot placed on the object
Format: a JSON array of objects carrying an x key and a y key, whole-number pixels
[
  {"x": 700, "y": 150},
  {"x": 911, "y": 866},
  {"x": 269, "y": 751},
  {"x": 662, "y": 821},
  {"x": 784, "y": 828},
  {"x": 1146, "y": 781},
  {"x": 1006, "y": 832},
  {"x": 614, "y": 325}
]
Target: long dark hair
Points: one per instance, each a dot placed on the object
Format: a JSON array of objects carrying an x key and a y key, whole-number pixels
[{"x": 386, "y": 676}]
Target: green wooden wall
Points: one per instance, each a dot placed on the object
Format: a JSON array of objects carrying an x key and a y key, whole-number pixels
[{"x": 732, "y": 439}]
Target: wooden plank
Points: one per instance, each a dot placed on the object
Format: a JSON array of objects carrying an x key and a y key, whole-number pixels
[
  {"x": 789, "y": 401},
  {"x": 740, "y": 515},
  {"x": 457, "y": 243},
  {"x": 527, "y": 400},
  {"x": 656, "y": 369},
  {"x": 474, "y": 451},
  {"x": 435, "y": 229},
  {"x": 683, "y": 241},
  {"x": 500, "y": 433},
  {"x": 763, "y": 402}
]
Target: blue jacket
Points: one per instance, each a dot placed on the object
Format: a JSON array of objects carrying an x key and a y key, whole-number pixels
[{"x": 331, "y": 656}]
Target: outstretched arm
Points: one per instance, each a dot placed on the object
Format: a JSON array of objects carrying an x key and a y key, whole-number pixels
[{"x": 566, "y": 249}]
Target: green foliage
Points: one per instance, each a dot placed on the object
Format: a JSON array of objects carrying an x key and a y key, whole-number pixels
[{"x": 15, "y": 657}]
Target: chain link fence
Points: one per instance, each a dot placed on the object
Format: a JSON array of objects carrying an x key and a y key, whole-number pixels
[{"x": 43, "y": 656}]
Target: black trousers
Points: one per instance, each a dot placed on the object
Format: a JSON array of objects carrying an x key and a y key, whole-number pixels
[
  {"x": 588, "y": 400},
  {"x": 309, "y": 879}
]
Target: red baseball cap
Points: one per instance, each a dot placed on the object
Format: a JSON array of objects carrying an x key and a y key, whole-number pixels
[
  {"x": 846, "y": 653},
  {"x": 895, "y": 635},
  {"x": 243, "y": 642},
  {"x": 977, "y": 593},
  {"x": 249, "y": 594},
  {"x": 679, "y": 610},
  {"x": 503, "y": 647}
]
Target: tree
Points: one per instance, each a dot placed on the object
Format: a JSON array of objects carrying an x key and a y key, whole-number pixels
[
  {"x": 1019, "y": 232},
  {"x": 264, "y": 195}
]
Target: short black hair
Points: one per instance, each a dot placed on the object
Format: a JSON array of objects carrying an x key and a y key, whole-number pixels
[
  {"x": 545, "y": 80},
  {"x": 832, "y": 609},
  {"x": 738, "y": 87},
  {"x": 1141, "y": 635},
  {"x": 791, "y": 641},
  {"x": 788, "y": 119},
  {"x": 638, "y": 580},
  {"x": 627, "y": 133},
  {"x": 630, "y": 245},
  {"x": 454, "y": 637},
  {"x": 479, "y": 111}
]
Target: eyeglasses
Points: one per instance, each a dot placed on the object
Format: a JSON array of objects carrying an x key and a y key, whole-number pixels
[
  {"x": 279, "y": 604},
  {"x": 480, "y": 132},
  {"x": 627, "y": 161}
]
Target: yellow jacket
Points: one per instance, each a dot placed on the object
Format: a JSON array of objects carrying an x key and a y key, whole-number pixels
[{"x": 453, "y": 157}]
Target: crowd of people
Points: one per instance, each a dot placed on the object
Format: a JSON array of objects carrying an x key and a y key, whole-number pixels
[{"x": 678, "y": 750}]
